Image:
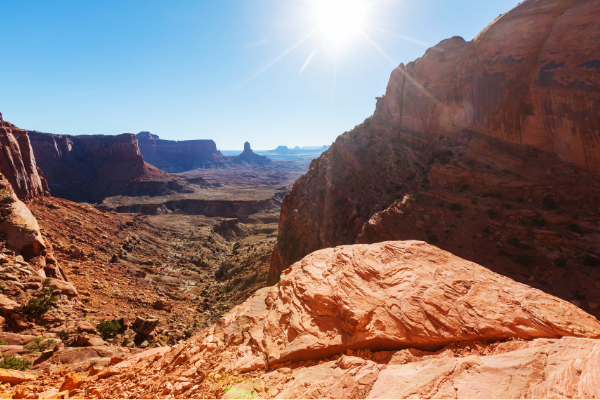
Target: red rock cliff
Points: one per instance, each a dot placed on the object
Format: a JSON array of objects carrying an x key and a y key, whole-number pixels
[
  {"x": 17, "y": 162},
  {"x": 89, "y": 168},
  {"x": 178, "y": 156},
  {"x": 531, "y": 77},
  {"x": 517, "y": 209}
]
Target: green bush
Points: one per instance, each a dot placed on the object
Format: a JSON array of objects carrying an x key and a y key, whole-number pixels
[
  {"x": 44, "y": 300},
  {"x": 108, "y": 328},
  {"x": 3, "y": 343},
  {"x": 8, "y": 200},
  {"x": 12, "y": 362},
  {"x": 38, "y": 344}
]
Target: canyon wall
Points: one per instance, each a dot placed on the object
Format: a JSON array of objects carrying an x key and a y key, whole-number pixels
[
  {"x": 531, "y": 77},
  {"x": 90, "y": 168},
  {"x": 18, "y": 164},
  {"x": 178, "y": 156},
  {"x": 450, "y": 156}
]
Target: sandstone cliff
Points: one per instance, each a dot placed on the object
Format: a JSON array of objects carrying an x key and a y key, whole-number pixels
[
  {"x": 91, "y": 168},
  {"x": 17, "y": 162},
  {"x": 178, "y": 156},
  {"x": 507, "y": 204},
  {"x": 531, "y": 77}
]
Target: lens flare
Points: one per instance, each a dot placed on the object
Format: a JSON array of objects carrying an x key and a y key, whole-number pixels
[{"x": 340, "y": 19}]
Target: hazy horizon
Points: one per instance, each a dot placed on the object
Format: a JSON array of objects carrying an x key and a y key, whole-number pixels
[{"x": 264, "y": 71}]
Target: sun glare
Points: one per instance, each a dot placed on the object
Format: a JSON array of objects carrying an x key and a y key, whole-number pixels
[{"x": 340, "y": 19}]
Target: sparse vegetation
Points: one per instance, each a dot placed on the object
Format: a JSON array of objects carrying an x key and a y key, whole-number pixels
[
  {"x": 13, "y": 362},
  {"x": 492, "y": 213},
  {"x": 108, "y": 328},
  {"x": 44, "y": 300},
  {"x": 3, "y": 343},
  {"x": 575, "y": 228},
  {"x": 8, "y": 200},
  {"x": 39, "y": 344},
  {"x": 539, "y": 222}
]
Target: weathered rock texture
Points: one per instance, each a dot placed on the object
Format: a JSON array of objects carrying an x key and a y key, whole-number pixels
[
  {"x": 354, "y": 308},
  {"x": 503, "y": 202},
  {"x": 91, "y": 168},
  {"x": 178, "y": 156},
  {"x": 531, "y": 77},
  {"x": 17, "y": 162}
]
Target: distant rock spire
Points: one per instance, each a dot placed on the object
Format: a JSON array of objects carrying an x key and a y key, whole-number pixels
[{"x": 247, "y": 147}]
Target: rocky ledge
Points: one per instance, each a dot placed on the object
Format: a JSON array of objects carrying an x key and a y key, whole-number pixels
[{"x": 388, "y": 320}]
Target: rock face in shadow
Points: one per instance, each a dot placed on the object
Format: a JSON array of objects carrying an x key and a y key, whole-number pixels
[
  {"x": 486, "y": 182},
  {"x": 530, "y": 77},
  {"x": 178, "y": 156},
  {"x": 17, "y": 162},
  {"x": 393, "y": 320},
  {"x": 90, "y": 168},
  {"x": 248, "y": 157}
]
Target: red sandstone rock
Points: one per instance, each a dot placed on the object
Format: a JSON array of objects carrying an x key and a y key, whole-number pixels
[
  {"x": 90, "y": 168},
  {"x": 18, "y": 164},
  {"x": 529, "y": 77}
]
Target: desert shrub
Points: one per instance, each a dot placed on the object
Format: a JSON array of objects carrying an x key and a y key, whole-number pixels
[
  {"x": 455, "y": 207},
  {"x": 39, "y": 304},
  {"x": 108, "y": 328},
  {"x": 492, "y": 213},
  {"x": 3, "y": 343},
  {"x": 539, "y": 222},
  {"x": 575, "y": 228},
  {"x": 463, "y": 188},
  {"x": 12, "y": 362},
  {"x": 38, "y": 344},
  {"x": 8, "y": 200}
]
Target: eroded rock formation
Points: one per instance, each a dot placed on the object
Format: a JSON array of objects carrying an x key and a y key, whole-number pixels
[
  {"x": 490, "y": 184},
  {"x": 178, "y": 156},
  {"x": 335, "y": 325},
  {"x": 531, "y": 77},
  {"x": 17, "y": 162},
  {"x": 91, "y": 168},
  {"x": 248, "y": 157}
]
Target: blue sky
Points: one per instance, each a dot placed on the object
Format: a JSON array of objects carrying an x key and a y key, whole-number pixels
[{"x": 196, "y": 69}]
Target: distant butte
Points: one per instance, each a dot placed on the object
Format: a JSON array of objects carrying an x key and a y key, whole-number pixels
[{"x": 249, "y": 157}]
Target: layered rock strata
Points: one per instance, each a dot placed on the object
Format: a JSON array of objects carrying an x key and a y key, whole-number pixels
[
  {"x": 91, "y": 168},
  {"x": 531, "y": 77},
  {"x": 17, "y": 162},
  {"x": 335, "y": 325},
  {"x": 178, "y": 156},
  {"x": 467, "y": 150}
]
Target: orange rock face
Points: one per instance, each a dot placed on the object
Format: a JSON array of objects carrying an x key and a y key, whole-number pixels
[
  {"x": 530, "y": 77},
  {"x": 17, "y": 162},
  {"x": 334, "y": 325}
]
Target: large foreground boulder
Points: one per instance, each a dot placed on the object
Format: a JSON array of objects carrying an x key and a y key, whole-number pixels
[{"x": 337, "y": 322}]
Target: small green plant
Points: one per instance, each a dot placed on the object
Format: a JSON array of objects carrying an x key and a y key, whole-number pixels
[
  {"x": 8, "y": 200},
  {"x": 12, "y": 362},
  {"x": 108, "y": 328},
  {"x": 2, "y": 287},
  {"x": 3, "y": 343},
  {"x": 39, "y": 304},
  {"x": 455, "y": 207},
  {"x": 38, "y": 344}
]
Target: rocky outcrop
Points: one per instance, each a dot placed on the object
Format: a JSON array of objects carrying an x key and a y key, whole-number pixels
[
  {"x": 530, "y": 77},
  {"x": 178, "y": 156},
  {"x": 505, "y": 203},
  {"x": 17, "y": 162},
  {"x": 91, "y": 168},
  {"x": 248, "y": 157},
  {"x": 385, "y": 320}
]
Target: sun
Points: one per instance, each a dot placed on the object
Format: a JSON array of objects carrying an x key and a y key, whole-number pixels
[{"x": 340, "y": 19}]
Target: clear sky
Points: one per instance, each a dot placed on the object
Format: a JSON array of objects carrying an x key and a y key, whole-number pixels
[{"x": 273, "y": 72}]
